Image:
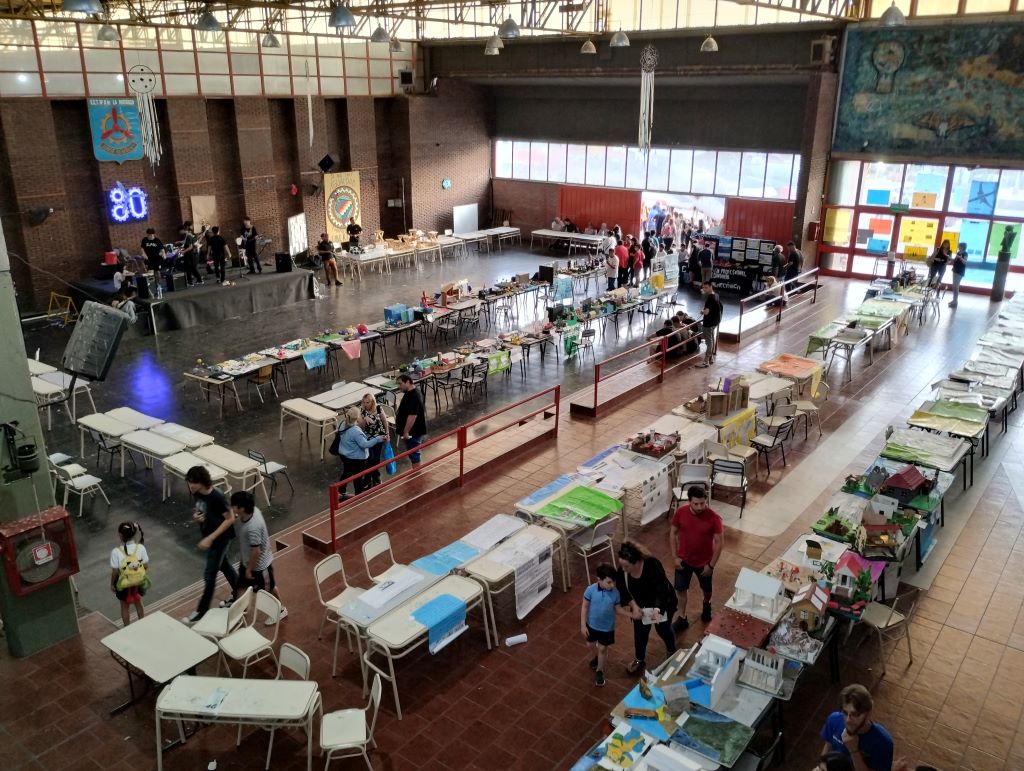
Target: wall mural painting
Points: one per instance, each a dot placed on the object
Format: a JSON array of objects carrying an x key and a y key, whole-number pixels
[{"x": 933, "y": 91}]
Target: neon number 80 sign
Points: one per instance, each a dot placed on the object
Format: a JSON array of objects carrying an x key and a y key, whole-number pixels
[{"x": 129, "y": 203}]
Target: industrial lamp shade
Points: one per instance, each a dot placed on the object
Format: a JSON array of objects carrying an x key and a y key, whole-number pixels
[
  {"x": 491, "y": 50},
  {"x": 619, "y": 40},
  {"x": 495, "y": 42},
  {"x": 892, "y": 16},
  {"x": 107, "y": 34},
  {"x": 709, "y": 46},
  {"x": 208, "y": 22},
  {"x": 396, "y": 46},
  {"x": 508, "y": 29},
  {"x": 380, "y": 35},
  {"x": 83, "y": 6},
  {"x": 341, "y": 17},
  {"x": 270, "y": 41},
  {"x": 588, "y": 47}
]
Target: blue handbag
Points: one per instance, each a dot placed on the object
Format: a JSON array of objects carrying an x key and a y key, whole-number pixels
[{"x": 388, "y": 454}]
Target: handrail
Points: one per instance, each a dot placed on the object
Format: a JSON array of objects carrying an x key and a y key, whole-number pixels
[
  {"x": 774, "y": 294},
  {"x": 461, "y": 434}
]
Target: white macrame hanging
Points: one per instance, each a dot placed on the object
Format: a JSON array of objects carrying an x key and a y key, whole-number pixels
[
  {"x": 142, "y": 82},
  {"x": 648, "y": 61}
]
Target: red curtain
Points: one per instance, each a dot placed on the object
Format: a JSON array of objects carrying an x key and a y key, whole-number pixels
[
  {"x": 759, "y": 219},
  {"x": 594, "y": 205}
]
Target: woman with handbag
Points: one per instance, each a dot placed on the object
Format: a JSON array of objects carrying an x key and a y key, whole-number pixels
[
  {"x": 937, "y": 266},
  {"x": 376, "y": 425},
  {"x": 354, "y": 449},
  {"x": 129, "y": 561}
]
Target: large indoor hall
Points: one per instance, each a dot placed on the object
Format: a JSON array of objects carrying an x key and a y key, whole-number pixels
[{"x": 558, "y": 386}]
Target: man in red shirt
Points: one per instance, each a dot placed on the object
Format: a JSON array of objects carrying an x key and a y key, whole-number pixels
[{"x": 695, "y": 537}]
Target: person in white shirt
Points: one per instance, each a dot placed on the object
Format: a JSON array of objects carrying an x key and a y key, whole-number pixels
[
  {"x": 255, "y": 566},
  {"x": 128, "y": 553},
  {"x": 557, "y": 224},
  {"x": 123, "y": 302}
]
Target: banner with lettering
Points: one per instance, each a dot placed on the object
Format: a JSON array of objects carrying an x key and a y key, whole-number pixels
[
  {"x": 115, "y": 128},
  {"x": 341, "y": 201}
]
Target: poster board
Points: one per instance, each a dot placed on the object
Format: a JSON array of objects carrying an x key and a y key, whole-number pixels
[
  {"x": 466, "y": 218},
  {"x": 341, "y": 203},
  {"x": 204, "y": 212},
  {"x": 298, "y": 241}
]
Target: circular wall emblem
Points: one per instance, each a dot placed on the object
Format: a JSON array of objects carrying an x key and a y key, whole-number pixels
[{"x": 342, "y": 205}]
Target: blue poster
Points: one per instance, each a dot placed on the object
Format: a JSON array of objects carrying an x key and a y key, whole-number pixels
[
  {"x": 982, "y": 198},
  {"x": 974, "y": 233},
  {"x": 878, "y": 244},
  {"x": 116, "y": 135},
  {"x": 878, "y": 197}
]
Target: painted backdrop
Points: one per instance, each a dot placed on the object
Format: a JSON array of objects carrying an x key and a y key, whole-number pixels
[
  {"x": 341, "y": 200},
  {"x": 934, "y": 91}
]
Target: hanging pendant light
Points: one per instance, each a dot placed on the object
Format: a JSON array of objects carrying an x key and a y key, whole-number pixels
[
  {"x": 107, "y": 34},
  {"x": 396, "y": 46},
  {"x": 588, "y": 47},
  {"x": 208, "y": 22},
  {"x": 892, "y": 17},
  {"x": 709, "y": 46},
  {"x": 83, "y": 6},
  {"x": 341, "y": 17},
  {"x": 508, "y": 30},
  {"x": 619, "y": 40},
  {"x": 380, "y": 35},
  {"x": 494, "y": 46},
  {"x": 270, "y": 41}
]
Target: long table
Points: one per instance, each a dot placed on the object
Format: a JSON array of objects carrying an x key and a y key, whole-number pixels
[{"x": 574, "y": 240}]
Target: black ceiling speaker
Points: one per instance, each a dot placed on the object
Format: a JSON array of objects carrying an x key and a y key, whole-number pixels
[
  {"x": 326, "y": 163},
  {"x": 39, "y": 215}
]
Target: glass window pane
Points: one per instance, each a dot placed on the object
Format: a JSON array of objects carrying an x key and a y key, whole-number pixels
[
  {"x": 752, "y": 174},
  {"x": 636, "y": 168},
  {"x": 615, "y": 167},
  {"x": 924, "y": 187},
  {"x": 682, "y": 165},
  {"x": 657, "y": 169},
  {"x": 778, "y": 175},
  {"x": 521, "y": 160},
  {"x": 794, "y": 185},
  {"x": 576, "y": 166},
  {"x": 838, "y": 227},
  {"x": 995, "y": 243},
  {"x": 1010, "y": 199},
  {"x": 595, "y": 165},
  {"x": 987, "y": 6},
  {"x": 881, "y": 184},
  {"x": 727, "y": 174},
  {"x": 939, "y": 8},
  {"x": 973, "y": 234},
  {"x": 503, "y": 159},
  {"x": 918, "y": 236},
  {"x": 842, "y": 184},
  {"x": 703, "y": 171},
  {"x": 868, "y": 266},
  {"x": 556, "y": 162},
  {"x": 974, "y": 190},
  {"x": 874, "y": 232},
  {"x": 539, "y": 161},
  {"x": 836, "y": 262}
]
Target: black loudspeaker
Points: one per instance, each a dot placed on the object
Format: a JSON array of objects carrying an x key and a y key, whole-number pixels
[
  {"x": 90, "y": 351},
  {"x": 283, "y": 262},
  {"x": 405, "y": 78},
  {"x": 142, "y": 285},
  {"x": 326, "y": 163}
]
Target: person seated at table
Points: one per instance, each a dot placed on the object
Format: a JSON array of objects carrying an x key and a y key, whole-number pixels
[
  {"x": 557, "y": 224},
  {"x": 570, "y": 226},
  {"x": 123, "y": 273},
  {"x": 777, "y": 290},
  {"x": 325, "y": 249},
  {"x": 853, "y": 733},
  {"x": 123, "y": 301},
  {"x": 590, "y": 230}
]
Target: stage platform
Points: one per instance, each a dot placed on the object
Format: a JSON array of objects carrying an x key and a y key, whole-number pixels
[{"x": 210, "y": 303}]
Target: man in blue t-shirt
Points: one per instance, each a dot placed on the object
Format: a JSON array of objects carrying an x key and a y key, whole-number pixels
[
  {"x": 852, "y": 732},
  {"x": 601, "y": 601}
]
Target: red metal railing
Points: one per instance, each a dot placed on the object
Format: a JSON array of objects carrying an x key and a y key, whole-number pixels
[
  {"x": 462, "y": 443},
  {"x": 776, "y": 295}
]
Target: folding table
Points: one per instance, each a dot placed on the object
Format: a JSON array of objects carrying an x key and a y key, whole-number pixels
[
  {"x": 102, "y": 424},
  {"x": 150, "y": 446},
  {"x": 397, "y": 633},
  {"x": 176, "y": 467},
  {"x": 159, "y": 647},
  {"x": 219, "y": 382},
  {"x": 342, "y": 397},
  {"x": 187, "y": 436},
  {"x": 134, "y": 418},
  {"x": 311, "y": 414},
  {"x": 246, "y": 701},
  {"x": 235, "y": 465}
]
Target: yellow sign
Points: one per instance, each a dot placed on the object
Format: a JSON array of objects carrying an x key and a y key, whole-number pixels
[
  {"x": 915, "y": 252},
  {"x": 917, "y": 231},
  {"x": 838, "y": 223},
  {"x": 739, "y": 429},
  {"x": 953, "y": 238},
  {"x": 341, "y": 203}
]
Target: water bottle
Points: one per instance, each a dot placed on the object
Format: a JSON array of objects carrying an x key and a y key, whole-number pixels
[{"x": 159, "y": 291}]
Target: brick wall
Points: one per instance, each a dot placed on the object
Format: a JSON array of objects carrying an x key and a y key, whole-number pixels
[
  {"x": 190, "y": 144},
  {"x": 393, "y": 159},
  {"x": 256, "y": 158},
  {"x": 450, "y": 137},
  {"x": 11, "y": 220},
  {"x": 226, "y": 166},
  {"x": 283, "y": 140},
  {"x": 362, "y": 153},
  {"x": 307, "y": 156},
  {"x": 532, "y": 205}
]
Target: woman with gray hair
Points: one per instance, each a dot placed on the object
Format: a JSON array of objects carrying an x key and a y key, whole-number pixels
[{"x": 354, "y": 449}]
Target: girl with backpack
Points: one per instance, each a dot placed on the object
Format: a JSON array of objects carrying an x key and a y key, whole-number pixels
[{"x": 128, "y": 570}]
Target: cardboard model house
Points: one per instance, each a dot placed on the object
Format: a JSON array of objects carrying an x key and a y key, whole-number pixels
[
  {"x": 717, "y": 664},
  {"x": 759, "y": 595},
  {"x": 848, "y": 570},
  {"x": 906, "y": 484},
  {"x": 887, "y": 537},
  {"x": 809, "y": 606},
  {"x": 762, "y": 670}
]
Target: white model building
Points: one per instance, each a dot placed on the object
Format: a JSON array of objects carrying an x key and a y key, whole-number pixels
[
  {"x": 762, "y": 670},
  {"x": 717, "y": 663},
  {"x": 759, "y": 595}
]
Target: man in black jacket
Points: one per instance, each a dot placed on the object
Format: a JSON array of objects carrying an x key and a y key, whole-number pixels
[{"x": 712, "y": 317}]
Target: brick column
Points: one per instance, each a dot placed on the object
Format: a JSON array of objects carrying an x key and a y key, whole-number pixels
[
  {"x": 190, "y": 141},
  {"x": 362, "y": 139},
  {"x": 817, "y": 142},
  {"x": 36, "y": 179},
  {"x": 309, "y": 156},
  {"x": 256, "y": 158}
]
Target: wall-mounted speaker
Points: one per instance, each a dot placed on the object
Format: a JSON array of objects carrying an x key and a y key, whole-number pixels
[
  {"x": 93, "y": 344},
  {"x": 326, "y": 163},
  {"x": 405, "y": 78}
]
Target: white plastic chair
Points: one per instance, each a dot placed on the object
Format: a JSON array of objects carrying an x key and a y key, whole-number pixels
[
  {"x": 247, "y": 644},
  {"x": 220, "y": 622},
  {"x": 811, "y": 408},
  {"x": 324, "y": 570},
  {"x": 347, "y": 732},
  {"x": 887, "y": 623},
  {"x": 690, "y": 474},
  {"x": 292, "y": 659},
  {"x": 378, "y": 545},
  {"x": 79, "y": 483},
  {"x": 595, "y": 540}
]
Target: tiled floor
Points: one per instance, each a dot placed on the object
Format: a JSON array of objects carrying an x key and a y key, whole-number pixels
[{"x": 534, "y": 706}]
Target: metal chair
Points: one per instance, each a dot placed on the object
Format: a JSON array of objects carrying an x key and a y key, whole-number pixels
[
  {"x": 595, "y": 540},
  {"x": 730, "y": 475},
  {"x": 447, "y": 325},
  {"x": 270, "y": 469},
  {"x": 775, "y": 439},
  {"x": 377, "y": 546},
  {"x": 811, "y": 408},
  {"x": 447, "y": 384},
  {"x": 79, "y": 483},
  {"x": 110, "y": 446},
  {"x": 324, "y": 571},
  {"x": 586, "y": 343},
  {"x": 247, "y": 644},
  {"x": 888, "y": 622},
  {"x": 350, "y": 731},
  {"x": 217, "y": 623},
  {"x": 477, "y": 378},
  {"x": 690, "y": 474},
  {"x": 292, "y": 659},
  {"x": 262, "y": 378}
]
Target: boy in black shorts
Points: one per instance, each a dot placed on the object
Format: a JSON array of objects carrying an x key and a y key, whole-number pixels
[
  {"x": 601, "y": 602},
  {"x": 255, "y": 568}
]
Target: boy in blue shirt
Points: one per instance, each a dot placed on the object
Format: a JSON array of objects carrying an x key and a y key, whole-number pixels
[
  {"x": 601, "y": 602},
  {"x": 853, "y": 733}
]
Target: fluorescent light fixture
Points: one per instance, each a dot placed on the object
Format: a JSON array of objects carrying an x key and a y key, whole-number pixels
[
  {"x": 270, "y": 41},
  {"x": 208, "y": 22},
  {"x": 107, "y": 34},
  {"x": 892, "y": 16},
  {"x": 341, "y": 17},
  {"x": 588, "y": 47},
  {"x": 508, "y": 29},
  {"x": 619, "y": 40},
  {"x": 709, "y": 46},
  {"x": 83, "y": 6},
  {"x": 396, "y": 46}
]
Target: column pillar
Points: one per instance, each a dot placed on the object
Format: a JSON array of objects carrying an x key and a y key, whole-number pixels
[{"x": 817, "y": 143}]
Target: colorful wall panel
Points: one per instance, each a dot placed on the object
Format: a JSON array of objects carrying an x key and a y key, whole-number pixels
[
  {"x": 772, "y": 220},
  {"x": 595, "y": 205}
]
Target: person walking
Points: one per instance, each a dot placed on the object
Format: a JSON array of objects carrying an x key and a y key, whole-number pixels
[
  {"x": 354, "y": 449},
  {"x": 411, "y": 418},
  {"x": 645, "y": 590},
  {"x": 190, "y": 257},
  {"x": 129, "y": 563},
  {"x": 376, "y": 425},
  {"x": 218, "y": 247},
  {"x": 601, "y": 602},
  {"x": 611, "y": 268},
  {"x": 216, "y": 520},
  {"x": 711, "y": 317},
  {"x": 706, "y": 258},
  {"x": 959, "y": 269},
  {"x": 695, "y": 538},
  {"x": 256, "y": 557},
  {"x": 668, "y": 233}
]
